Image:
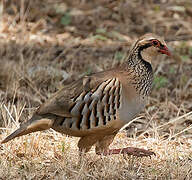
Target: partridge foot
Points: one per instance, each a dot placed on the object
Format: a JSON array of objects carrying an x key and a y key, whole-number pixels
[{"x": 129, "y": 151}]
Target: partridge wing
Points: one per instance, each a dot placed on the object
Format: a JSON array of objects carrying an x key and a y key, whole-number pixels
[{"x": 64, "y": 103}]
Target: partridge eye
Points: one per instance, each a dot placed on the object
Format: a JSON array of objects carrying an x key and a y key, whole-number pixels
[{"x": 155, "y": 42}]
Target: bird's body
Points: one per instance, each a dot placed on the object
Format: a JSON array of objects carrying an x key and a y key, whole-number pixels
[{"x": 96, "y": 107}]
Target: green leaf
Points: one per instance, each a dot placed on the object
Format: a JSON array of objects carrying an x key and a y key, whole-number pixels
[
  {"x": 190, "y": 50},
  {"x": 119, "y": 55},
  {"x": 172, "y": 70},
  {"x": 185, "y": 58},
  {"x": 157, "y": 8},
  {"x": 159, "y": 82},
  {"x": 89, "y": 71},
  {"x": 100, "y": 31},
  {"x": 100, "y": 37},
  {"x": 66, "y": 19}
]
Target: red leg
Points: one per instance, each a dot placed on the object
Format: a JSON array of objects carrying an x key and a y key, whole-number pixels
[{"x": 129, "y": 151}]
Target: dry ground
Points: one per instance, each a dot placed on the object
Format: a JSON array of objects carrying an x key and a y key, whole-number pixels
[{"x": 46, "y": 44}]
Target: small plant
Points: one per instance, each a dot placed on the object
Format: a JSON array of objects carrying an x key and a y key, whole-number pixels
[
  {"x": 66, "y": 19},
  {"x": 183, "y": 80},
  {"x": 190, "y": 51},
  {"x": 88, "y": 71},
  {"x": 119, "y": 55},
  {"x": 172, "y": 70},
  {"x": 159, "y": 82},
  {"x": 64, "y": 146},
  {"x": 101, "y": 31},
  {"x": 157, "y": 8},
  {"x": 99, "y": 37},
  {"x": 185, "y": 58},
  {"x": 100, "y": 34}
]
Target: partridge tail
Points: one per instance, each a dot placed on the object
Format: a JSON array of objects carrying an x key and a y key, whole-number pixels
[{"x": 36, "y": 123}]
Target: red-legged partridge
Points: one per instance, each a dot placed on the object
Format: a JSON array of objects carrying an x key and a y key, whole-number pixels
[{"x": 96, "y": 107}]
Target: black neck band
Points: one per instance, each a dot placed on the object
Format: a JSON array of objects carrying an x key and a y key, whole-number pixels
[{"x": 147, "y": 64}]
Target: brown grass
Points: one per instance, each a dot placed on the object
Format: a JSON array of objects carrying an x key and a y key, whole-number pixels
[
  {"x": 50, "y": 155},
  {"x": 39, "y": 55}
]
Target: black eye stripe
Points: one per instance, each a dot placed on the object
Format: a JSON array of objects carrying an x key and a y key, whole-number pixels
[
  {"x": 162, "y": 46},
  {"x": 152, "y": 42}
]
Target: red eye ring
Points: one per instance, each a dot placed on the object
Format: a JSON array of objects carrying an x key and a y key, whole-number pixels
[{"x": 156, "y": 43}]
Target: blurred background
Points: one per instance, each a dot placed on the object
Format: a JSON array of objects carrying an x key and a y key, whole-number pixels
[{"x": 47, "y": 44}]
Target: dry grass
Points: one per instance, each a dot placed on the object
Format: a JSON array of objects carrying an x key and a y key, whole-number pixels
[
  {"x": 50, "y": 155},
  {"x": 39, "y": 55}
]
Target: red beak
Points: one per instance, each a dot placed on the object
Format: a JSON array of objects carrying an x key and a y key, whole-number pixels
[{"x": 165, "y": 50}]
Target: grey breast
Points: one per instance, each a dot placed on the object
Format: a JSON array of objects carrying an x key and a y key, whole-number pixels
[{"x": 131, "y": 107}]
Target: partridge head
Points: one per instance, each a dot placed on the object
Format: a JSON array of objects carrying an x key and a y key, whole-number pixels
[
  {"x": 150, "y": 46},
  {"x": 97, "y": 106}
]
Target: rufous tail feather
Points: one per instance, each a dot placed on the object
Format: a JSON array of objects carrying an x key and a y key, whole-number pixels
[{"x": 36, "y": 123}]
